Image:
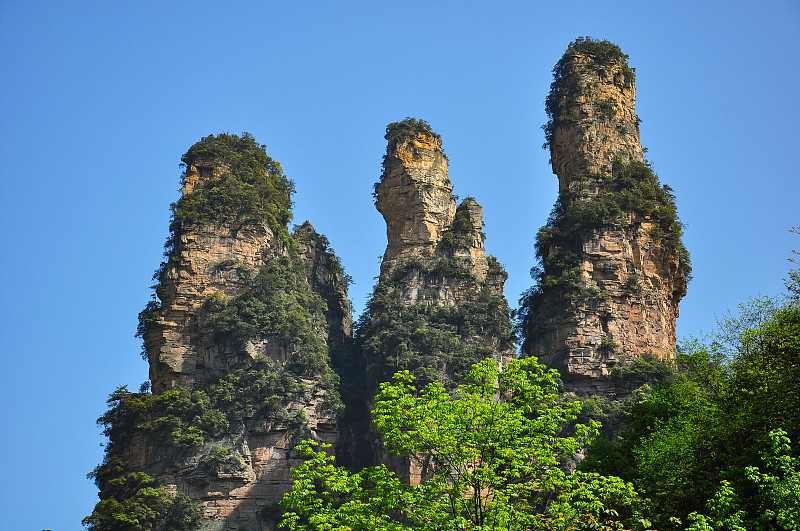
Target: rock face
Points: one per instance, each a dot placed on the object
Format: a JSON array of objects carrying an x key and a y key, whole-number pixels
[
  {"x": 240, "y": 340},
  {"x": 206, "y": 259},
  {"x": 415, "y": 197},
  {"x": 438, "y": 307},
  {"x": 614, "y": 268}
]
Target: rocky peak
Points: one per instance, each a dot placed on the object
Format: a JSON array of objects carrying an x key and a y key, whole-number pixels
[
  {"x": 434, "y": 256},
  {"x": 438, "y": 307},
  {"x": 592, "y": 111},
  {"x": 214, "y": 250},
  {"x": 613, "y": 265},
  {"x": 327, "y": 277},
  {"x": 414, "y": 194},
  {"x": 240, "y": 338}
]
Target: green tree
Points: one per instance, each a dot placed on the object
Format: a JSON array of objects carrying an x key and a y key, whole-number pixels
[
  {"x": 493, "y": 455},
  {"x": 135, "y": 502},
  {"x": 711, "y": 433},
  {"x": 777, "y": 482}
]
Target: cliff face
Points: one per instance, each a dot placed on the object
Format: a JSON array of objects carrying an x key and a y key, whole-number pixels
[
  {"x": 206, "y": 259},
  {"x": 592, "y": 106},
  {"x": 613, "y": 265},
  {"x": 240, "y": 342},
  {"x": 438, "y": 307},
  {"x": 423, "y": 225}
]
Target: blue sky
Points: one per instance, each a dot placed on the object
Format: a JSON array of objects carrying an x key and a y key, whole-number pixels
[{"x": 98, "y": 100}]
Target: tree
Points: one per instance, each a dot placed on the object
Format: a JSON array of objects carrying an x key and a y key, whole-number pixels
[
  {"x": 721, "y": 430},
  {"x": 135, "y": 502},
  {"x": 777, "y": 482},
  {"x": 493, "y": 455}
]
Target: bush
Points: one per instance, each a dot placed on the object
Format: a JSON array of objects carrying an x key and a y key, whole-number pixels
[
  {"x": 433, "y": 342},
  {"x": 249, "y": 185},
  {"x": 135, "y": 502}
]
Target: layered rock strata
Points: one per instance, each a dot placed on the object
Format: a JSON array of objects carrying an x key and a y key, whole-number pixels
[
  {"x": 614, "y": 268},
  {"x": 423, "y": 224},
  {"x": 240, "y": 341},
  {"x": 438, "y": 307}
]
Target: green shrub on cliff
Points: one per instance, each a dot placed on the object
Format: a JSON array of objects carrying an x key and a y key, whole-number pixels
[
  {"x": 432, "y": 341},
  {"x": 246, "y": 186},
  {"x": 398, "y": 133},
  {"x": 135, "y": 502}
]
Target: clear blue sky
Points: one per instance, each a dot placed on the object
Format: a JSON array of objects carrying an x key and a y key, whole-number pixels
[{"x": 98, "y": 100}]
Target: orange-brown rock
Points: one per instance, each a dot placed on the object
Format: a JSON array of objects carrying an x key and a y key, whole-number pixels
[
  {"x": 593, "y": 115},
  {"x": 216, "y": 254},
  {"x": 435, "y": 266},
  {"x": 614, "y": 269},
  {"x": 415, "y": 197}
]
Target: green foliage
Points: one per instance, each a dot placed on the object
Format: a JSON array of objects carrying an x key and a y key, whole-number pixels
[
  {"x": 249, "y": 186},
  {"x": 719, "y": 429},
  {"x": 776, "y": 484},
  {"x": 491, "y": 452},
  {"x": 279, "y": 304},
  {"x": 220, "y": 459},
  {"x": 431, "y": 341},
  {"x": 646, "y": 369},
  {"x": 566, "y": 79},
  {"x": 134, "y": 502},
  {"x": 609, "y": 345},
  {"x": 495, "y": 267}
]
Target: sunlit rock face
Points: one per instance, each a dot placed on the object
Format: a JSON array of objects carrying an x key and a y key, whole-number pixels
[
  {"x": 435, "y": 267},
  {"x": 239, "y": 475},
  {"x": 614, "y": 267}
]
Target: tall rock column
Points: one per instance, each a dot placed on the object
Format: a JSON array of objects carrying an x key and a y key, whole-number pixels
[
  {"x": 613, "y": 267},
  {"x": 438, "y": 307},
  {"x": 242, "y": 337}
]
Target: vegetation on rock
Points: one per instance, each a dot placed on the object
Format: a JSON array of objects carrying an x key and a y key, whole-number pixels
[
  {"x": 399, "y": 133},
  {"x": 433, "y": 342},
  {"x": 632, "y": 193},
  {"x": 717, "y": 443},
  {"x": 278, "y": 306},
  {"x": 567, "y": 84},
  {"x": 493, "y": 450},
  {"x": 133, "y": 501},
  {"x": 247, "y": 185}
]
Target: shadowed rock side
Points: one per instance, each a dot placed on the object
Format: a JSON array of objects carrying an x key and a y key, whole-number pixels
[
  {"x": 613, "y": 265},
  {"x": 438, "y": 306},
  {"x": 240, "y": 340}
]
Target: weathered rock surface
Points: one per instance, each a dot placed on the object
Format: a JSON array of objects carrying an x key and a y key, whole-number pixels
[
  {"x": 435, "y": 258},
  {"x": 415, "y": 197},
  {"x": 237, "y": 476},
  {"x": 596, "y": 121},
  {"x": 631, "y": 272},
  {"x": 325, "y": 274},
  {"x": 242, "y": 490},
  {"x": 207, "y": 259}
]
